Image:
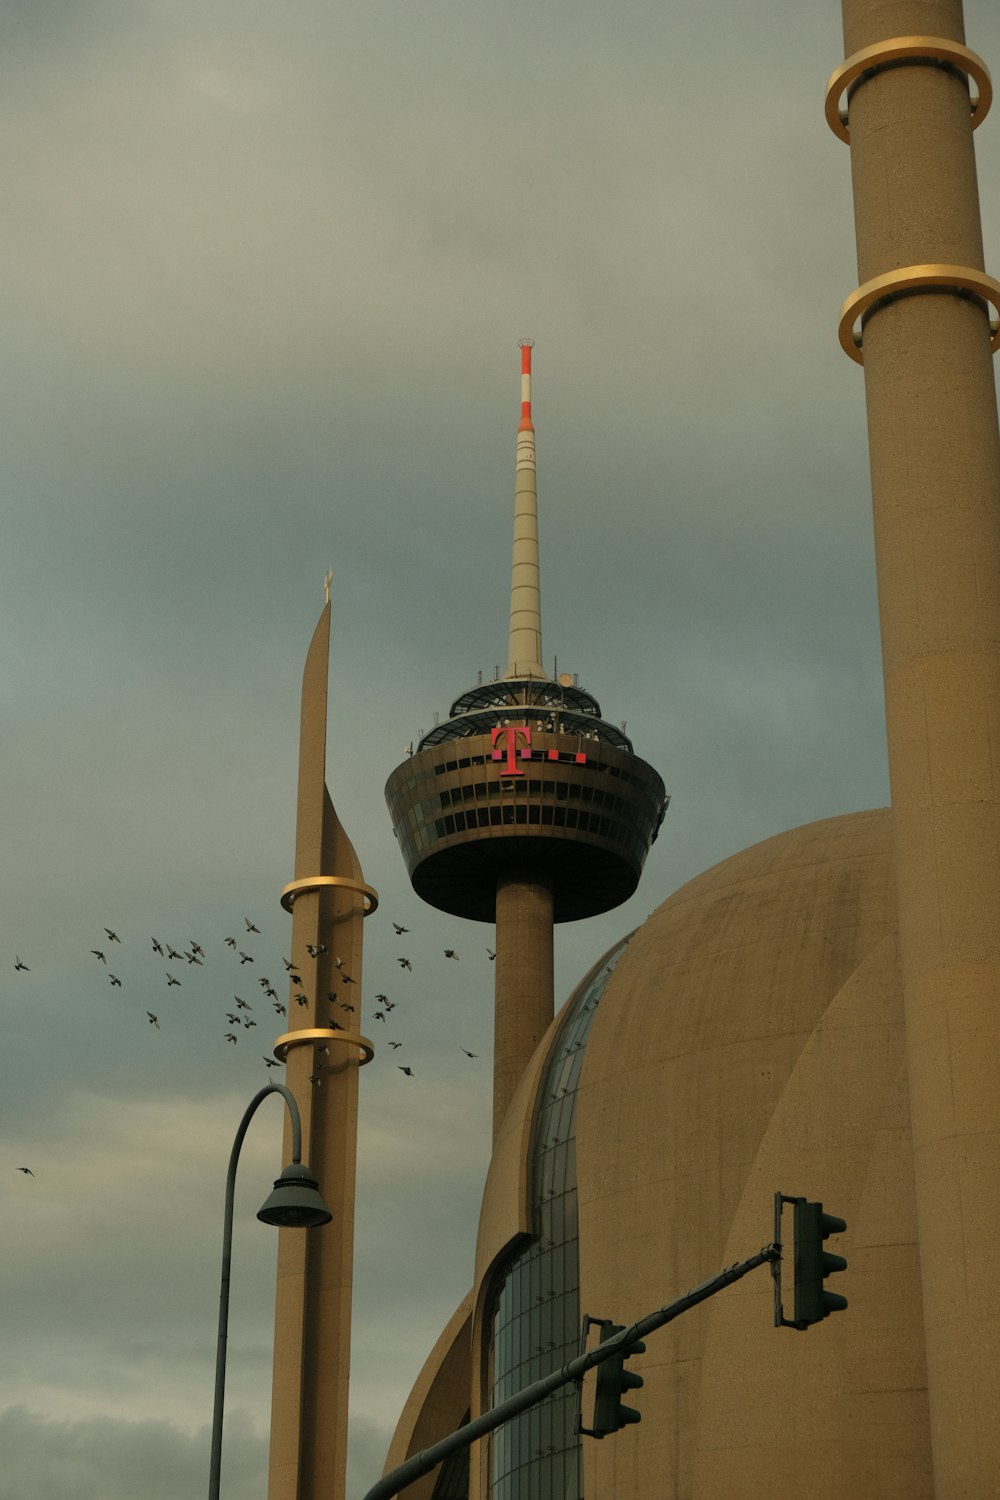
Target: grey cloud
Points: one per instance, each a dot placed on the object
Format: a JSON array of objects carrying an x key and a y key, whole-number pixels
[{"x": 118, "y": 1460}]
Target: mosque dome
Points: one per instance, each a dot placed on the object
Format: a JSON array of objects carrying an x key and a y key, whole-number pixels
[{"x": 746, "y": 1039}]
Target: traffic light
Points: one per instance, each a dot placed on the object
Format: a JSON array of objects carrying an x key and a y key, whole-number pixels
[
  {"x": 813, "y": 1264},
  {"x": 613, "y": 1380}
]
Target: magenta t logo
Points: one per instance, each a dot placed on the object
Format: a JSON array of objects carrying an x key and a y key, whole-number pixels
[{"x": 511, "y": 733}]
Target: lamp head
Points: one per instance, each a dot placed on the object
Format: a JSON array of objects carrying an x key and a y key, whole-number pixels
[{"x": 296, "y": 1202}]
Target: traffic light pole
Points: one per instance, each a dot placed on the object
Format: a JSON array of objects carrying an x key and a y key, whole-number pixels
[{"x": 421, "y": 1463}]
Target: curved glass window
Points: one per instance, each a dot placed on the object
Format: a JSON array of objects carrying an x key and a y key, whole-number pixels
[
  {"x": 452, "y": 1482},
  {"x": 535, "y": 1323}
]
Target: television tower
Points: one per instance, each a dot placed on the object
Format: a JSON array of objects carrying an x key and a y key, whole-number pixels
[{"x": 524, "y": 807}]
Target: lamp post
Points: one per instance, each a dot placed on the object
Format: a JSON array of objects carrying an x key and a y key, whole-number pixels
[{"x": 295, "y": 1202}]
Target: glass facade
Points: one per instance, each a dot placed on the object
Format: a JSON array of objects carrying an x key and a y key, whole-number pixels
[
  {"x": 452, "y": 1482},
  {"x": 535, "y": 1322}
]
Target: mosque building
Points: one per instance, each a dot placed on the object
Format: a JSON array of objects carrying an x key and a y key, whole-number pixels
[{"x": 817, "y": 1014}]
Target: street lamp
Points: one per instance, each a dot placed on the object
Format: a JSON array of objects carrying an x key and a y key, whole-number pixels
[{"x": 295, "y": 1203}]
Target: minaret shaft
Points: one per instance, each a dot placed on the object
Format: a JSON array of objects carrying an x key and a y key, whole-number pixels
[
  {"x": 313, "y": 1300},
  {"x": 524, "y": 985},
  {"x": 935, "y": 461}
]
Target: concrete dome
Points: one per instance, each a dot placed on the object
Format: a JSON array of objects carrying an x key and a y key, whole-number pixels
[{"x": 749, "y": 1039}]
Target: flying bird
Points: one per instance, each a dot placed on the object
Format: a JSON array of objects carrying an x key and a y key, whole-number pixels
[
  {"x": 172, "y": 952},
  {"x": 270, "y": 1062},
  {"x": 242, "y": 1004},
  {"x": 153, "y": 1020},
  {"x": 345, "y": 1007},
  {"x": 230, "y": 1037},
  {"x": 248, "y": 1023},
  {"x": 27, "y": 1171},
  {"x": 399, "y": 930},
  {"x": 295, "y": 978},
  {"x": 171, "y": 980},
  {"x": 270, "y": 991},
  {"x": 378, "y": 1016},
  {"x": 380, "y": 999},
  {"x": 315, "y": 949},
  {"x": 286, "y": 961},
  {"x": 157, "y": 947},
  {"x": 245, "y": 958},
  {"x": 450, "y": 953},
  {"x": 407, "y": 1071},
  {"x": 302, "y": 999},
  {"x": 346, "y": 979},
  {"x": 19, "y": 965},
  {"x": 395, "y": 1044},
  {"x": 404, "y": 963},
  {"x": 491, "y": 954},
  {"x": 115, "y": 981},
  {"x": 197, "y": 948},
  {"x": 112, "y": 936},
  {"x": 233, "y": 1020},
  {"x": 193, "y": 958},
  {"x": 250, "y": 926},
  {"x": 230, "y": 942},
  {"x": 263, "y": 982},
  {"x": 98, "y": 954},
  {"x": 338, "y": 962},
  {"x": 279, "y": 1009},
  {"x": 468, "y": 1053}
]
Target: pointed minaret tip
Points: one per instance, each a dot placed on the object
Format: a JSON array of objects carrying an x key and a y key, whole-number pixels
[{"x": 524, "y": 640}]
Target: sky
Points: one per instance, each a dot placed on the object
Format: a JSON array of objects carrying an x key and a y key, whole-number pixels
[{"x": 263, "y": 271}]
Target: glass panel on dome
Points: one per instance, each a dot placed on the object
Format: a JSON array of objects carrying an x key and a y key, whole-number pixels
[{"x": 535, "y": 1321}]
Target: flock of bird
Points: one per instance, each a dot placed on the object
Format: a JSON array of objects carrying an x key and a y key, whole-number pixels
[{"x": 342, "y": 1003}]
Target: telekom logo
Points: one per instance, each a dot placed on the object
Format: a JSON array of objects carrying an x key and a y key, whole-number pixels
[
  {"x": 507, "y": 739},
  {"x": 511, "y": 733}
]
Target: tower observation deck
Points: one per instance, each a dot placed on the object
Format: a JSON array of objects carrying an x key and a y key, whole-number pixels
[
  {"x": 525, "y": 806},
  {"x": 525, "y": 774}
]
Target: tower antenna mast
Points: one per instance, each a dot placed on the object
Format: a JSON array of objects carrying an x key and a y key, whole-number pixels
[{"x": 524, "y": 637}]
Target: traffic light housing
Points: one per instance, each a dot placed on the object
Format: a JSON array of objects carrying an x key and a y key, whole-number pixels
[
  {"x": 813, "y": 1264},
  {"x": 613, "y": 1380}
]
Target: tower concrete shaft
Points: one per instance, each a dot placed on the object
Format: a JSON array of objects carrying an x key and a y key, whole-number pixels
[
  {"x": 523, "y": 993},
  {"x": 935, "y": 465},
  {"x": 524, "y": 638},
  {"x": 313, "y": 1300}
]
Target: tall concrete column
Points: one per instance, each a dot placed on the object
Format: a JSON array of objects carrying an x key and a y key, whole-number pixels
[
  {"x": 935, "y": 464},
  {"x": 524, "y": 981}
]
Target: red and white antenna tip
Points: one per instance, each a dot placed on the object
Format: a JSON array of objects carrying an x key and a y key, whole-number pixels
[{"x": 526, "y": 346}]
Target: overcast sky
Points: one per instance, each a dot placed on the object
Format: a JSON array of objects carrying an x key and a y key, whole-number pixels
[{"x": 263, "y": 271}]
